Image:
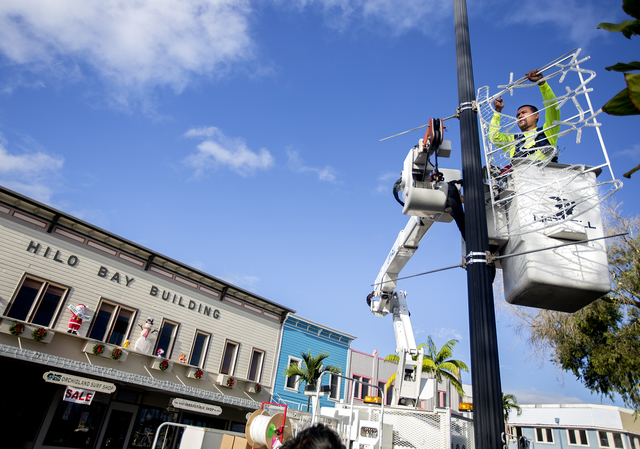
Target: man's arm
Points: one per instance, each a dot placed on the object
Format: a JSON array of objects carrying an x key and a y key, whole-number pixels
[
  {"x": 494, "y": 127},
  {"x": 551, "y": 113}
]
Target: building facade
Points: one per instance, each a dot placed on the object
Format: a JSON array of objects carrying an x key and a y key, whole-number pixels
[
  {"x": 576, "y": 426},
  {"x": 371, "y": 369},
  {"x": 303, "y": 335},
  {"x": 102, "y": 339}
]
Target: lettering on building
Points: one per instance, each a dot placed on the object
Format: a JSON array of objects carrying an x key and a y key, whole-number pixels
[
  {"x": 52, "y": 254},
  {"x": 103, "y": 272},
  {"x": 190, "y": 304}
]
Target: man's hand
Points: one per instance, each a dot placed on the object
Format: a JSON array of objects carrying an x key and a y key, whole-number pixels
[
  {"x": 534, "y": 76},
  {"x": 498, "y": 104}
]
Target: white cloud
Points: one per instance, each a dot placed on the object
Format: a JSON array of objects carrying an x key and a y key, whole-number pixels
[
  {"x": 396, "y": 16},
  {"x": 296, "y": 165},
  {"x": 143, "y": 44},
  {"x": 27, "y": 164},
  {"x": 247, "y": 282},
  {"x": 633, "y": 153},
  {"x": 37, "y": 191},
  {"x": 219, "y": 150},
  {"x": 447, "y": 334},
  {"x": 576, "y": 20},
  {"x": 137, "y": 44},
  {"x": 30, "y": 173},
  {"x": 385, "y": 182}
]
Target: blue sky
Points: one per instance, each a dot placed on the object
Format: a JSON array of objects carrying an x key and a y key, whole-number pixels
[{"x": 242, "y": 137}]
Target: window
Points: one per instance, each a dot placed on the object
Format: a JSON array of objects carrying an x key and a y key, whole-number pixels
[
  {"x": 334, "y": 382},
  {"x": 36, "y": 301},
  {"x": 361, "y": 389},
  {"x": 166, "y": 337},
  {"x": 356, "y": 386},
  {"x": 291, "y": 380},
  {"x": 199, "y": 349},
  {"x": 635, "y": 442},
  {"x": 604, "y": 440},
  {"x": 365, "y": 387},
  {"x": 255, "y": 365},
  {"x": 617, "y": 441},
  {"x": 442, "y": 399},
  {"x": 146, "y": 425},
  {"x": 229, "y": 357},
  {"x": 388, "y": 393},
  {"x": 544, "y": 435},
  {"x": 76, "y": 425},
  {"x": 577, "y": 437},
  {"x": 112, "y": 323}
]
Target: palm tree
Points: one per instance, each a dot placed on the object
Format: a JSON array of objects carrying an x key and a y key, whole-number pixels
[
  {"x": 437, "y": 362},
  {"x": 509, "y": 402},
  {"x": 310, "y": 370}
]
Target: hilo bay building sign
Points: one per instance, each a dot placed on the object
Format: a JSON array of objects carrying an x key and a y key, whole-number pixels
[{"x": 124, "y": 280}]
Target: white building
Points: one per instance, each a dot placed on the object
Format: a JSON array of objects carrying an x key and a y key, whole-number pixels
[
  {"x": 576, "y": 425},
  {"x": 219, "y": 344}
]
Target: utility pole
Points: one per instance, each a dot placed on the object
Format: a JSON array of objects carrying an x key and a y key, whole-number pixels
[{"x": 488, "y": 425}]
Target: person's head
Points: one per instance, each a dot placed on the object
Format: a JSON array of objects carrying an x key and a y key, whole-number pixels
[
  {"x": 316, "y": 437},
  {"x": 527, "y": 117}
]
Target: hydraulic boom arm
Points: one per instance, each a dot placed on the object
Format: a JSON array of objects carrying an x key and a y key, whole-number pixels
[{"x": 428, "y": 195}]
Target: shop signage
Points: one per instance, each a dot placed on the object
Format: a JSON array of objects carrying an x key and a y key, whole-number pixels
[
  {"x": 78, "y": 382},
  {"x": 196, "y": 406},
  {"x": 78, "y": 396}
]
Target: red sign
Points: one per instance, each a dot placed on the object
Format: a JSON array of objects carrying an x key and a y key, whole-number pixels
[{"x": 78, "y": 396}]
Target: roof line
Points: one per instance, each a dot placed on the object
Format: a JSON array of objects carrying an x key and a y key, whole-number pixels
[{"x": 157, "y": 257}]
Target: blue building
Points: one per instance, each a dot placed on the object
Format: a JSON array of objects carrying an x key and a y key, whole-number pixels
[
  {"x": 565, "y": 426},
  {"x": 302, "y": 335}
]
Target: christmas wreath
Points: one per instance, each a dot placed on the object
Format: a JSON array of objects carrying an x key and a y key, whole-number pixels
[
  {"x": 198, "y": 374},
  {"x": 116, "y": 353},
  {"x": 16, "y": 329},
  {"x": 258, "y": 388},
  {"x": 39, "y": 334},
  {"x": 230, "y": 382},
  {"x": 164, "y": 365},
  {"x": 98, "y": 349}
]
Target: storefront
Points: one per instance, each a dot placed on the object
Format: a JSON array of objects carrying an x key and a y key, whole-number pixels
[{"x": 102, "y": 340}]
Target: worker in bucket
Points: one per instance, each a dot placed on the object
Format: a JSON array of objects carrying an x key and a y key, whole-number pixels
[{"x": 534, "y": 142}]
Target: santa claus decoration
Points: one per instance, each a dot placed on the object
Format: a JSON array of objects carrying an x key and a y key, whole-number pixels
[{"x": 78, "y": 313}]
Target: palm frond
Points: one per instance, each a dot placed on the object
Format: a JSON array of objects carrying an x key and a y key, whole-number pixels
[
  {"x": 392, "y": 358},
  {"x": 390, "y": 382},
  {"x": 455, "y": 383}
]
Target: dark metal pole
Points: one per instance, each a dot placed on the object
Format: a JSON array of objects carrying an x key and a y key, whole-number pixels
[{"x": 487, "y": 393}]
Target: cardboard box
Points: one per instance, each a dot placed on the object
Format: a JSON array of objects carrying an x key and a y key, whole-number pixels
[
  {"x": 241, "y": 443},
  {"x": 227, "y": 441}
]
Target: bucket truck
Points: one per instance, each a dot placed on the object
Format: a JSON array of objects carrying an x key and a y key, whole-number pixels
[{"x": 429, "y": 195}]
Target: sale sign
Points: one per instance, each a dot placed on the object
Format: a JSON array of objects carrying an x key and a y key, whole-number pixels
[{"x": 78, "y": 396}]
